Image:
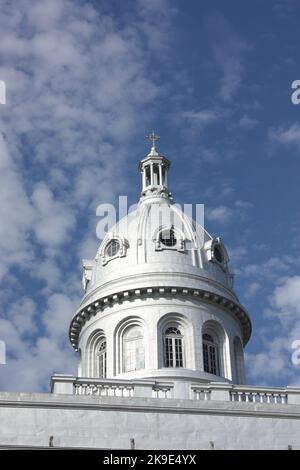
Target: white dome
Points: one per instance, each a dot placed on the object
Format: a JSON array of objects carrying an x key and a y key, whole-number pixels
[
  {"x": 142, "y": 257},
  {"x": 139, "y": 259},
  {"x": 158, "y": 270}
]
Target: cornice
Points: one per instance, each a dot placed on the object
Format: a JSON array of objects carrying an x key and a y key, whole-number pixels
[
  {"x": 99, "y": 305},
  {"x": 157, "y": 405}
]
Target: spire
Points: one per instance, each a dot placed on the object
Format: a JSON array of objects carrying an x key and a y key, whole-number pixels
[{"x": 154, "y": 168}]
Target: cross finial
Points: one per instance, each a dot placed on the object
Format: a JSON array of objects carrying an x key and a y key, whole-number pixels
[{"x": 153, "y": 138}]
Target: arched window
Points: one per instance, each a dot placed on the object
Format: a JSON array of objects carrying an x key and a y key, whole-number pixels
[
  {"x": 167, "y": 237},
  {"x": 133, "y": 349},
  {"x": 239, "y": 360},
  {"x": 211, "y": 359},
  {"x": 95, "y": 362},
  {"x": 173, "y": 353},
  {"x": 79, "y": 363},
  {"x": 102, "y": 359}
]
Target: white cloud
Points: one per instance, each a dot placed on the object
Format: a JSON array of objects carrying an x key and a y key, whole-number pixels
[
  {"x": 252, "y": 289},
  {"x": 286, "y": 299},
  {"x": 16, "y": 214},
  {"x": 247, "y": 123},
  {"x": 243, "y": 204},
  {"x": 202, "y": 118},
  {"x": 54, "y": 220},
  {"x": 274, "y": 361},
  {"x": 22, "y": 315},
  {"x": 221, "y": 214},
  {"x": 238, "y": 253},
  {"x": 289, "y": 135},
  {"x": 57, "y": 316}
]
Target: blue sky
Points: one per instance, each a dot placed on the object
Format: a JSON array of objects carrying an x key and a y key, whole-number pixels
[{"x": 86, "y": 80}]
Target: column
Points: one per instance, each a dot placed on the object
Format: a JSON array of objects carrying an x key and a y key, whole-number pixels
[
  {"x": 160, "y": 175},
  {"x": 151, "y": 174},
  {"x": 166, "y": 177}
]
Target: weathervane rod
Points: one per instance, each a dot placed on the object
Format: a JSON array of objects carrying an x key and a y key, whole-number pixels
[{"x": 153, "y": 138}]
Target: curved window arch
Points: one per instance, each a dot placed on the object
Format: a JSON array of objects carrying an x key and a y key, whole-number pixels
[
  {"x": 173, "y": 347},
  {"x": 216, "y": 349},
  {"x": 211, "y": 353},
  {"x": 133, "y": 350},
  {"x": 97, "y": 355},
  {"x": 101, "y": 362},
  {"x": 167, "y": 237},
  {"x": 79, "y": 363},
  {"x": 239, "y": 360}
]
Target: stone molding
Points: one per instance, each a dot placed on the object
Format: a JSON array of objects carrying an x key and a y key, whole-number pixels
[
  {"x": 148, "y": 405},
  {"x": 100, "y": 304}
]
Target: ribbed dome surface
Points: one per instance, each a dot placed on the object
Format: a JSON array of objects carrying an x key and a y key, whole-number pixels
[{"x": 138, "y": 250}]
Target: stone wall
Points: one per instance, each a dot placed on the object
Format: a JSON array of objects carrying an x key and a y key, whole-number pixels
[{"x": 112, "y": 422}]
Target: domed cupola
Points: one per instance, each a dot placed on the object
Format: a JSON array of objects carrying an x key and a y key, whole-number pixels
[
  {"x": 159, "y": 300},
  {"x": 154, "y": 169}
]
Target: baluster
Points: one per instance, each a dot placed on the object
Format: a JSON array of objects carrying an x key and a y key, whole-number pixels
[{"x": 261, "y": 397}]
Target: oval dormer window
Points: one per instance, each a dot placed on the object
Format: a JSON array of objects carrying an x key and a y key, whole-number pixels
[
  {"x": 112, "y": 248},
  {"x": 167, "y": 237},
  {"x": 218, "y": 254}
]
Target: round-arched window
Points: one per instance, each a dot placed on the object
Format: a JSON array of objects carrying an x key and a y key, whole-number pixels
[
  {"x": 173, "y": 347},
  {"x": 167, "y": 237},
  {"x": 102, "y": 359},
  {"x": 211, "y": 360},
  {"x": 112, "y": 248},
  {"x": 133, "y": 349}
]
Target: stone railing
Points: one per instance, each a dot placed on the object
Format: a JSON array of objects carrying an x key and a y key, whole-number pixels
[
  {"x": 144, "y": 388},
  {"x": 200, "y": 393},
  {"x": 103, "y": 390},
  {"x": 259, "y": 396},
  {"x": 117, "y": 389},
  {"x": 111, "y": 388},
  {"x": 245, "y": 394}
]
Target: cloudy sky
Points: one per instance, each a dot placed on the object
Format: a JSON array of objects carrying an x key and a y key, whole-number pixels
[{"x": 86, "y": 80}]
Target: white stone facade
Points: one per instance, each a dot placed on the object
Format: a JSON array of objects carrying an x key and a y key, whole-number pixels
[{"x": 108, "y": 422}]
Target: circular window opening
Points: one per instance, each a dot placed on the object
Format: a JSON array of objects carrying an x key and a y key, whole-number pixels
[
  {"x": 218, "y": 254},
  {"x": 167, "y": 237},
  {"x": 112, "y": 248}
]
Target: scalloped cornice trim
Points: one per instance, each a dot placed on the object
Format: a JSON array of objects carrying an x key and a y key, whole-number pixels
[{"x": 97, "y": 306}]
